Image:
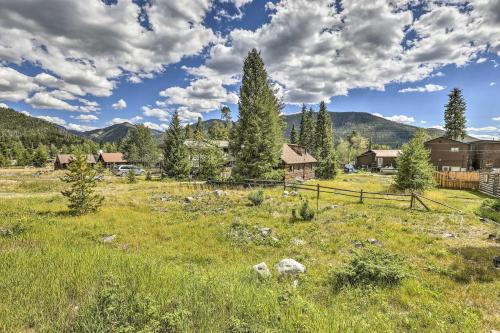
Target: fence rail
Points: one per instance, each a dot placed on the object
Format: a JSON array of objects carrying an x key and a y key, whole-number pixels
[
  {"x": 411, "y": 199},
  {"x": 457, "y": 180}
]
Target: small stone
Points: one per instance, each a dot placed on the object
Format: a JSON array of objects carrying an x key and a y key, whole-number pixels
[
  {"x": 219, "y": 193},
  {"x": 189, "y": 199},
  {"x": 265, "y": 231},
  {"x": 358, "y": 245},
  {"x": 333, "y": 206},
  {"x": 496, "y": 261},
  {"x": 125, "y": 247},
  {"x": 108, "y": 239},
  {"x": 294, "y": 193},
  {"x": 286, "y": 193},
  {"x": 373, "y": 241},
  {"x": 449, "y": 235},
  {"x": 6, "y": 232},
  {"x": 262, "y": 270},
  {"x": 482, "y": 219},
  {"x": 298, "y": 242},
  {"x": 290, "y": 266}
]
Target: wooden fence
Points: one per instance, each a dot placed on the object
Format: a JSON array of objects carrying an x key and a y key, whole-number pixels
[
  {"x": 457, "y": 180},
  {"x": 361, "y": 195}
]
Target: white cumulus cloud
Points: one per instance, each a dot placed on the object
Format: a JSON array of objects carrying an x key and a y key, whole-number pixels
[
  {"x": 426, "y": 88},
  {"x": 121, "y": 104}
]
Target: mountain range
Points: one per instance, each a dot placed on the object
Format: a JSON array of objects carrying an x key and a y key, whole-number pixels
[{"x": 378, "y": 129}]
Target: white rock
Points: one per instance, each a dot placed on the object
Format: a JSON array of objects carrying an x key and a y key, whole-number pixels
[
  {"x": 290, "y": 266},
  {"x": 297, "y": 241},
  {"x": 189, "y": 199},
  {"x": 109, "y": 239},
  {"x": 265, "y": 231},
  {"x": 449, "y": 235},
  {"x": 285, "y": 193},
  {"x": 373, "y": 241},
  {"x": 219, "y": 193},
  {"x": 294, "y": 193},
  {"x": 262, "y": 270}
]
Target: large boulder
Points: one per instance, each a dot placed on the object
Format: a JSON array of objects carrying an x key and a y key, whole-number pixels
[
  {"x": 290, "y": 267},
  {"x": 262, "y": 270}
]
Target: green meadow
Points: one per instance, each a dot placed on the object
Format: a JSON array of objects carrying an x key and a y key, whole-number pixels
[{"x": 175, "y": 266}]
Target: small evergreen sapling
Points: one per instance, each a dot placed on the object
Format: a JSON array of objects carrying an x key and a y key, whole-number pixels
[
  {"x": 306, "y": 212},
  {"x": 83, "y": 180},
  {"x": 131, "y": 179}
]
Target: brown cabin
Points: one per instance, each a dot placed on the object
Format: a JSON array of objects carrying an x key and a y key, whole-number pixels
[
  {"x": 63, "y": 160},
  {"x": 489, "y": 182},
  {"x": 463, "y": 155},
  {"x": 109, "y": 160},
  {"x": 297, "y": 162},
  {"x": 450, "y": 155},
  {"x": 377, "y": 158},
  {"x": 485, "y": 154}
]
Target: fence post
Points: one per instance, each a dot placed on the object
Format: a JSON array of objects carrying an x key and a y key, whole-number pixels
[
  {"x": 412, "y": 201},
  {"x": 317, "y": 199},
  {"x": 361, "y": 196}
]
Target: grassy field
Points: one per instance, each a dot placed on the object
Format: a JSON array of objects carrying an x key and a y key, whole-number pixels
[{"x": 187, "y": 267}]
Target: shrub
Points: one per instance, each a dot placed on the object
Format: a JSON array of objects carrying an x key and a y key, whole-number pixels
[
  {"x": 131, "y": 177},
  {"x": 256, "y": 198},
  {"x": 490, "y": 208},
  {"x": 148, "y": 176},
  {"x": 370, "y": 266},
  {"x": 119, "y": 309},
  {"x": 306, "y": 212}
]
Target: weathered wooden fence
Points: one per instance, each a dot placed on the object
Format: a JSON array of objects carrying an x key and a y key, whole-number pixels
[
  {"x": 412, "y": 199},
  {"x": 457, "y": 180}
]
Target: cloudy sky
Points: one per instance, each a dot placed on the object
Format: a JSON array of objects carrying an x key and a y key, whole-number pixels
[{"x": 88, "y": 64}]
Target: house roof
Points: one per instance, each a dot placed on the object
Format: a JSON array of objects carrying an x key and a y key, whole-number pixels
[
  {"x": 112, "y": 158},
  {"x": 67, "y": 158},
  {"x": 206, "y": 144},
  {"x": 465, "y": 140},
  {"x": 383, "y": 152},
  {"x": 291, "y": 155}
]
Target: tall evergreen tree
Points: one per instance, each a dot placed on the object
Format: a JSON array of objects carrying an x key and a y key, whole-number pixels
[
  {"x": 176, "y": 161},
  {"x": 454, "y": 116},
  {"x": 415, "y": 171},
  {"x": 189, "y": 132},
  {"x": 325, "y": 150},
  {"x": 294, "y": 139},
  {"x": 141, "y": 146},
  {"x": 199, "y": 130},
  {"x": 40, "y": 156},
  {"x": 226, "y": 117},
  {"x": 306, "y": 133},
  {"x": 258, "y": 138}
]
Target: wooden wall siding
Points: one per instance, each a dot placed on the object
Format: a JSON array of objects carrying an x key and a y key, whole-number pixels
[
  {"x": 302, "y": 171},
  {"x": 441, "y": 154},
  {"x": 486, "y": 154},
  {"x": 457, "y": 180},
  {"x": 490, "y": 184},
  {"x": 370, "y": 161}
]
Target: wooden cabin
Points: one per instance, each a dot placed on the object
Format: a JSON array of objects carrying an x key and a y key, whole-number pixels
[
  {"x": 450, "y": 155},
  {"x": 489, "y": 182},
  {"x": 297, "y": 163},
  {"x": 63, "y": 160},
  {"x": 109, "y": 160},
  {"x": 377, "y": 159}
]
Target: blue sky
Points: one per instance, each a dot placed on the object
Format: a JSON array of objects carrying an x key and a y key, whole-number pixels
[{"x": 90, "y": 65}]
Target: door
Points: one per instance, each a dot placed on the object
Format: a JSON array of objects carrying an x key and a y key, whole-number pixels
[{"x": 380, "y": 162}]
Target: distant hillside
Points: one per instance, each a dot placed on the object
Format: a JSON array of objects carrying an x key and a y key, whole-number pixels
[
  {"x": 379, "y": 130},
  {"x": 113, "y": 133},
  {"x": 32, "y": 131}
]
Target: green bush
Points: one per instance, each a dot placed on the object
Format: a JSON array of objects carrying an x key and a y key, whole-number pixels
[
  {"x": 306, "y": 212},
  {"x": 117, "y": 308},
  {"x": 148, "y": 176},
  {"x": 370, "y": 267},
  {"x": 256, "y": 198},
  {"x": 490, "y": 209}
]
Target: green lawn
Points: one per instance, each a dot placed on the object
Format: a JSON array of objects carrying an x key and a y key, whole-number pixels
[{"x": 177, "y": 266}]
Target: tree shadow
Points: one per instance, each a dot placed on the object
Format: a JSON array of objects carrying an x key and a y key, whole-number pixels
[{"x": 475, "y": 264}]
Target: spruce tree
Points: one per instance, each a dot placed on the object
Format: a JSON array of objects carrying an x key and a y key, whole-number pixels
[
  {"x": 415, "y": 171},
  {"x": 189, "y": 132},
  {"x": 199, "y": 130},
  {"x": 176, "y": 161},
  {"x": 211, "y": 162},
  {"x": 293, "y": 135},
  {"x": 141, "y": 146},
  {"x": 83, "y": 179},
  {"x": 258, "y": 138},
  {"x": 454, "y": 116},
  {"x": 40, "y": 156},
  {"x": 324, "y": 148},
  {"x": 307, "y": 130}
]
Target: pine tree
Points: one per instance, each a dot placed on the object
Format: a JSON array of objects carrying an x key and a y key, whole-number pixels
[
  {"x": 307, "y": 130},
  {"x": 258, "y": 137},
  {"x": 189, "y": 132},
  {"x": 199, "y": 130},
  {"x": 83, "y": 180},
  {"x": 176, "y": 161},
  {"x": 226, "y": 117},
  {"x": 211, "y": 161},
  {"x": 415, "y": 171},
  {"x": 454, "y": 116},
  {"x": 141, "y": 146},
  {"x": 131, "y": 179},
  {"x": 40, "y": 156},
  {"x": 324, "y": 148},
  {"x": 293, "y": 135}
]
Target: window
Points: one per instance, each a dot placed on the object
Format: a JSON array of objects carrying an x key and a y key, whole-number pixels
[
  {"x": 446, "y": 168},
  {"x": 380, "y": 161},
  {"x": 455, "y": 149}
]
